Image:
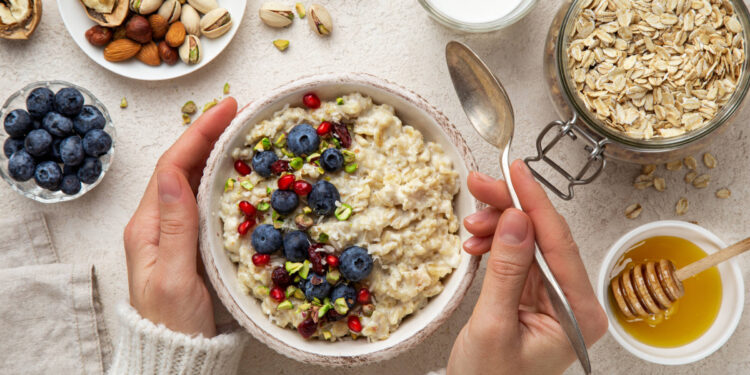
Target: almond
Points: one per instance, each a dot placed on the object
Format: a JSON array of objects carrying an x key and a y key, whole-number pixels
[
  {"x": 121, "y": 50},
  {"x": 149, "y": 54},
  {"x": 175, "y": 35},
  {"x": 159, "y": 25}
]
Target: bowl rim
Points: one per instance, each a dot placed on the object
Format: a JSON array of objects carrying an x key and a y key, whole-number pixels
[
  {"x": 735, "y": 276},
  {"x": 310, "y": 82}
]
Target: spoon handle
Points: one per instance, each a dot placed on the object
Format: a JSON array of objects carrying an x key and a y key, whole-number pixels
[{"x": 563, "y": 311}]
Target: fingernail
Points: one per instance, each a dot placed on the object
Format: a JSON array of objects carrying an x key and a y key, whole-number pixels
[
  {"x": 524, "y": 169},
  {"x": 472, "y": 243},
  {"x": 476, "y": 218},
  {"x": 169, "y": 187},
  {"x": 481, "y": 176},
  {"x": 513, "y": 227}
]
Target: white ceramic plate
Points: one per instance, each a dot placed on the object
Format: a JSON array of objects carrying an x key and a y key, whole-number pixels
[
  {"x": 76, "y": 21},
  {"x": 413, "y": 110},
  {"x": 732, "y": 298}
]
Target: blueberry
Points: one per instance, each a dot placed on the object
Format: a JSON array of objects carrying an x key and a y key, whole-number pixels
[
  {"x": 323, "y": 197},
  {"x": 262, "y": 162},
  {"x": 17, "y": 123},
  {"x": 70, "y": 169},
  {"x": 284, "y": 201},
  {"x": 48, "y": 175},
  {"x": 68, "y": 101},
  {"x": 71, "y": 151},
  {"x": 70, "y": 184},
  {"x": 36, "y": 124},
  {"x": 54, "y": 151},
  {"x": 89, "y": 170},
  {"x": 303, "y": 139},
  {"x": 57, "y": 125},
  {"x": 38, "y": 142},
  {"x": 97, "y": 142},
  {"x": 331, "y": 160},
  {"x": 316, "y": 287},
  {"x": 356, "y": 263},
  {"x": 12, "y": 145},
  {"x": 266, "y": 239},
  {"x": 21, "y": 166},
  {"x": 89, "y": 118},
  {"x": 40, "y": 102},
  {"x": 295, "y": 246},
  {"x": 346, "y": 292}
]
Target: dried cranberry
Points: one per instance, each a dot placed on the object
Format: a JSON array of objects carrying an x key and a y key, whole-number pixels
[
  {"x": 277, "y": 294},
  {"x": 307, "y": 328},
  {"x": 302, "y": 188},
  {"x": 280, "y": 166},
  {"x": 245, "y": 226},
  {"x": 354, "y": 324},
  {"x": 342, "y": 133},
  {"x": 363, "y": 296},
  {"x": 316, "y": 261},
  {"x": 281, "y": 277},
  {"x": 324, "y": 128},
  {"x": 261, "y": 259},
  {"x": 311, "y": 101},
  {"x": 332, "y": 260},
  {"x": 242, "y": 168},
  {"x": 247, "y": 208},
  {"x": 286, "y": 182}
]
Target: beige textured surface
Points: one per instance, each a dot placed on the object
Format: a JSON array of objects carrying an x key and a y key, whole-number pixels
[{"x": 396, "y": 40}]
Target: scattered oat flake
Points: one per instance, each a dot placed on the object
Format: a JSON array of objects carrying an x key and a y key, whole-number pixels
[
  {"x": 709, "y": 160},
  {"x": 702, "y": 181},
  {"x": 682, "y": 206},
  {"x": 648, "y": 169},
  {"x": 633, "y": 211},
  {"x": 690, "y": 177},
  {"x": 643, "y": 181},
  {"x": 674, "y": 165},
  {"x": 660, "y": 184},
  {"x": 690, "y": 163},
  {"x": 723, "y": 193}
]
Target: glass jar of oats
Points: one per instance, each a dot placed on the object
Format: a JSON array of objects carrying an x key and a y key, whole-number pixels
[{"x": 643, "y": 81}]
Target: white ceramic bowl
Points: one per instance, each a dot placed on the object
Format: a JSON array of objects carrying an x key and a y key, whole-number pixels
[
  {"x": 76, "y": 21},
  {"x": 732, "y": 300},
  {"x": 413, "y": 110}
]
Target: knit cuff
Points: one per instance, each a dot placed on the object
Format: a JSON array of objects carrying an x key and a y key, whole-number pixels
[{"x": 146, "y": 348}]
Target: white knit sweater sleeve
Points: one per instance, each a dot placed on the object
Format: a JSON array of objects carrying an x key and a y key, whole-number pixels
[{"x": 146, "y": 348}]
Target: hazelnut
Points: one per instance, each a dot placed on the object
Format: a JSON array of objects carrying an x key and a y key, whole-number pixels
[
  {"x": 139, "y": 29},
  {"x": 159, "y": 26},
  {"x": 168, "y": 54},
  {"x": 99, "y": 36}
]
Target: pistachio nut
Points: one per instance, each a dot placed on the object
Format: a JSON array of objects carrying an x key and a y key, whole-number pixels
[
  {"x": 191, "y": 20},
  {"x": 171, "y": 10},
  {"x": 276, "y": 15},
  {"x": 203, "y": 6},
  {"x": 191, "y": 51},
  {"x": 216, "y": 23},
  {"x": 145, "y": 6},
  {"x": 320, "y": 19}
]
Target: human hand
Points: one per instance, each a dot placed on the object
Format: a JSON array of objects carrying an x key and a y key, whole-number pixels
[
  {"x": 161, "y": 239},
  {"x": 513, "y": 329}
]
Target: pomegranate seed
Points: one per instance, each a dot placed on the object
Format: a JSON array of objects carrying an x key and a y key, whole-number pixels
[
  {"x": 342, "y": 133},
  {"x": 363, "y": 296},
  {"x": 324, "y": 128},
  {"x": 315, "y": 259},
  {"x": 261, "y": 259},
  {"x": 302, "y": 188},
  {"x": 245, "y": 226},
  {"x": 332, "y": 261},
  {"x": 307, "y": 327},
  {"x": 311, "y": 101},
  {"x": 286, "y": 182},
  {"x": 242, "y": 168},
  {"x": 354, "y": 324},
  {"x": 280, "y": 277},
  {"x": 277, "y": 294},
  {"x": 280, "y": 166},
  {"x": 248, "y": 209}
]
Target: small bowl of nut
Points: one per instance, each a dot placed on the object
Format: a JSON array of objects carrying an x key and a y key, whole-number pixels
[{"x": 152, "y": 39}]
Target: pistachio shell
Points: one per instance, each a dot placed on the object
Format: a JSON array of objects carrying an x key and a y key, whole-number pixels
[
  {"x": 276, "y": 15},
  {"x": 204, "y": 6},
  {"x": 320, "y": 20},
  {"x": 171, "y": 10},
  {"x": 191, "y": 20},
  {"x": 145, "y": 6},
  {"x": 191, "y": 51},
  {"x": 216, "y": 23}
]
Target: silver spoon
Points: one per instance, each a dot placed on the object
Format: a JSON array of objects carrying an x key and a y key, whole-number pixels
[{"x": 489, "y": 110}]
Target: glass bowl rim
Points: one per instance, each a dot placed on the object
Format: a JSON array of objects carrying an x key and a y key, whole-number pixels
[{"x": 481, "y": 27}]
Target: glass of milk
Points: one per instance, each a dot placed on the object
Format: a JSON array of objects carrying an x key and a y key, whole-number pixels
[{"x": 478, "y": 15}]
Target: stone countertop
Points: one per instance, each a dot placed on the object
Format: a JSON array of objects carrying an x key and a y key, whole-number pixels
[{"x": 396, "y": 40}]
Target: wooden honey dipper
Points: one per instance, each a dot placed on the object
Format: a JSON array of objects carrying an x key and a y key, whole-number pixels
[{"x": 652, "y": 287}]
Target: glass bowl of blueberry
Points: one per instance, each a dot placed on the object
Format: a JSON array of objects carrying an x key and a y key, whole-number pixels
[{"x": 58, "y": 141}]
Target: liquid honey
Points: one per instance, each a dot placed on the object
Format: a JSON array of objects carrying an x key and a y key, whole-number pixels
[{"x": 693, "y": 314}]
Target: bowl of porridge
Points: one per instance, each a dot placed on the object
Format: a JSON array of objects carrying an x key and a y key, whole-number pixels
[{"x": 330, "y": 219}]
